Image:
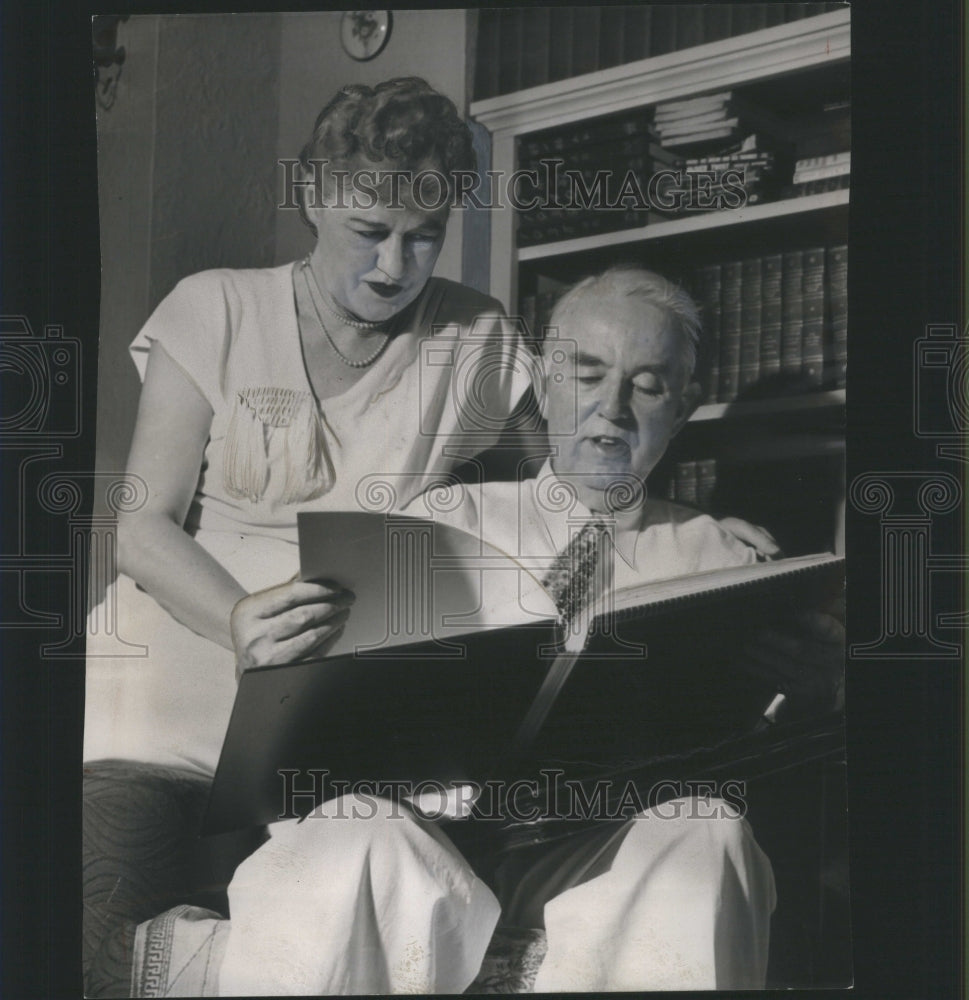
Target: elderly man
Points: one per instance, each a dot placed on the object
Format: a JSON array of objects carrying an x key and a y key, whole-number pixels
[
  {"x": 387, "y": 903},
  {"x": 618, "y": 387}
]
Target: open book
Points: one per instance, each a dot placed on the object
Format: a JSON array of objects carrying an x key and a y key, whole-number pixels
[{"x": 463, "y": 694}]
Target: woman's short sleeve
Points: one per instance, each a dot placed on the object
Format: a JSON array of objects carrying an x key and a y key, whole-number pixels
[{"x": 190, "y": 324}]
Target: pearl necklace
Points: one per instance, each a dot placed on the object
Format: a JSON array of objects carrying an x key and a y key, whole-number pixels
[
  {"x": 360, "y": 324},
  {"x": 349, "y": 362}
]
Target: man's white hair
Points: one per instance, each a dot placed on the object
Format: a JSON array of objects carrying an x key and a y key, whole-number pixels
[{"x": 633, "y": 281}]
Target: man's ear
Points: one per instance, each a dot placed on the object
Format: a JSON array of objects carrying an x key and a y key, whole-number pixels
[{"x": 689, "y": 401}]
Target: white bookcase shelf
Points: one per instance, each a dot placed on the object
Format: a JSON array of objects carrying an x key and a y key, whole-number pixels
[
  {"x": 699, "y": 222},
  {"x": 812, "y": 42}
]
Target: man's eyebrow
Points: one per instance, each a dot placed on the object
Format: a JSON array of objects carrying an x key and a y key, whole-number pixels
[{"x": 592, "y": 361}]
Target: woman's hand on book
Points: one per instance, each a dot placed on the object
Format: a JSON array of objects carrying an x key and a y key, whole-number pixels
[{"x": 292, "y": 621}]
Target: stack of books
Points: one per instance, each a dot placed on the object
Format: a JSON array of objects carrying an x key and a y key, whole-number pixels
[
  {"x": 757, "y": 158},
  {"x": 723, "y": 117},
  {"x": 583, "y": 173},
  {"x": 778, "y": 322},
  {"x": 725, "y": 132},
  {"x": 815, "y": 174}
]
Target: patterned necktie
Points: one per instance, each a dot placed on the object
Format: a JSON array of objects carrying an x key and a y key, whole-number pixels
[{"x": 571, "y": 581}]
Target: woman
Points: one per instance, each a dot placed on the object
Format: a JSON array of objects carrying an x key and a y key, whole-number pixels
[{"x": 268, "y": 392}]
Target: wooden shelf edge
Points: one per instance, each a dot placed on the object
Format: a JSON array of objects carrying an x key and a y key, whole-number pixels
[
  {"x": 701, "y": 222},
  {"x": 782, "y": 404}
]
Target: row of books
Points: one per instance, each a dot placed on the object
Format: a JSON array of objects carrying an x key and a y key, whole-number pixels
[
  {"x": 684, "y": 156},
  {"x": 775, "y": 321},
  {"x": 553, "y": 224},
  {"x": 523, "y": 47},
  {"x": 596, "y": 161},
  {"x": 693, "y": 483}
]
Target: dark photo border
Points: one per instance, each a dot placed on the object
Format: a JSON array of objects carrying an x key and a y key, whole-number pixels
[{"x": 906, "y": 751}]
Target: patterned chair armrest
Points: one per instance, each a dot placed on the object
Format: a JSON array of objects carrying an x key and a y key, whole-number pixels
[{"x": 141, "y": 851}]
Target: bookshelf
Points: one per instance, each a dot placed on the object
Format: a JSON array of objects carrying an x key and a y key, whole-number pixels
[
  {"x": 750, "y": 215},
  {"x": 795, "y": 435}
]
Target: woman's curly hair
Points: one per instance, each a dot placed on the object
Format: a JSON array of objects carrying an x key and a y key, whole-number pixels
[{"x": 403, "y": 122}]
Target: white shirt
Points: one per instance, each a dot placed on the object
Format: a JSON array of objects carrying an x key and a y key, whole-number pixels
[{"x": 532, "y": 521}]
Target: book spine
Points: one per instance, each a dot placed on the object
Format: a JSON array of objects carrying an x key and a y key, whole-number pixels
[
  {"x": 706, "y": 483},
  {"x": 509, "y": 51},
  {"x": 770, "y": 319},
  {"x": 837, "y": 275},
  {"x": 710, "y": 281},
  {"x": 749, "y": 17},
  {"x": 585, "y": 39},
  {"x": 612, "y": 20},
  {"x": 689, "y": 25},
  {"x": 486, "y": 61},
  {"x": 536, "y": 30},
  {"x": 541, "y": 226},
  {"x": 750, "y": 319},
  {"x": 730, "y": 331},
  {"x": 792, "y": 313},
  {"x": 662, "y": 37},
  {"x": 812, "y": 334},
  {"x": 637, "y": 31},
  {"x": 686, "y": 483},
  {"x": 840, "y": 183},
  {"x": 796, "y": 11},
  {"x": 587, "y": 146},
  {"x": 663, "y": 156},
  {"x": 717, "y": 22},
  {"x": 775, "y": 14},
  {"x": 804, "y": 174},
  {"x": 828, "y": 160},
  {"x": 560, "y": 45}
]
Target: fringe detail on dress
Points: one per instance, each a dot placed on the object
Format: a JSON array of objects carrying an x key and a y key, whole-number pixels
[
  {"x": 308, "y": 470},
  {"x": 245, "y": 465},
  {"x": 309, "y": 473}
]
